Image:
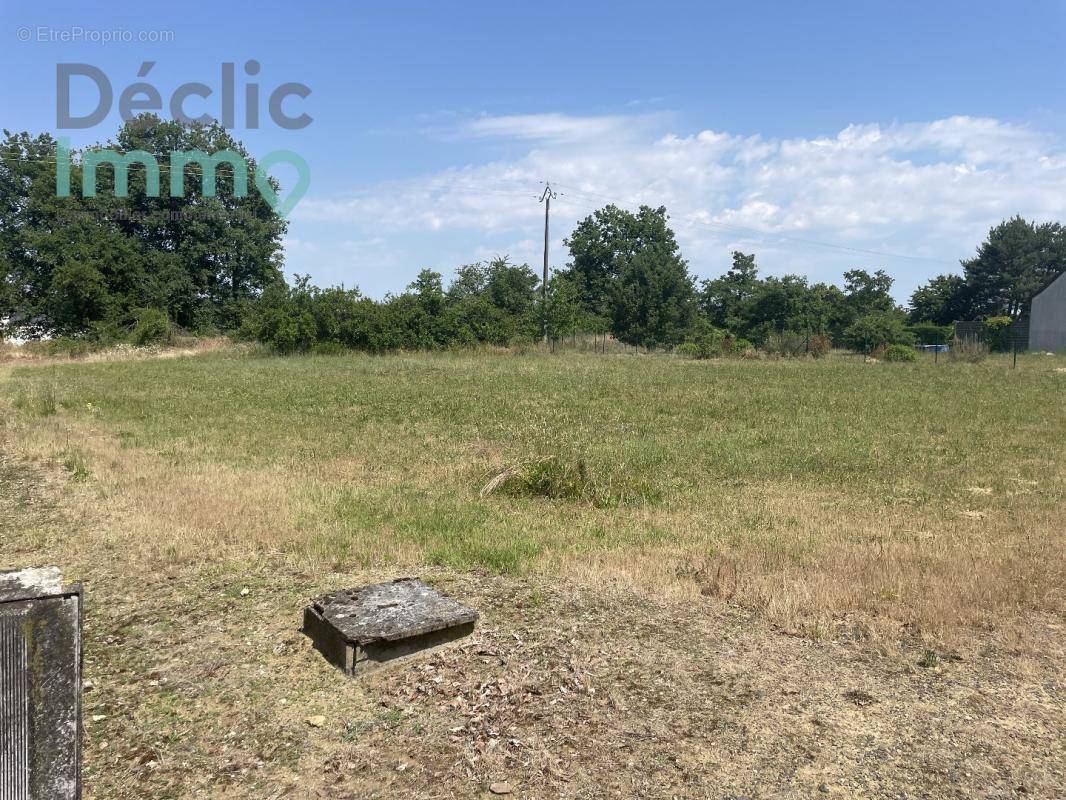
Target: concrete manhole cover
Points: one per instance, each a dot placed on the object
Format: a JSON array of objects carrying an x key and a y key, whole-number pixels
[{"x": 359, "y": 629}]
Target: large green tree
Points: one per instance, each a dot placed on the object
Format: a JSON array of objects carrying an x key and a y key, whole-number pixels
[
  {"x": 726, "y": 300},
  {"x": 76, "y": 264},
  {"x": 746, "y": 305},
  {"x": 1013, "y": 264},
  {"x": 628, "y": 269},
  {"x": 653, "y": 300},
  {"x": 943, "y": 300},
  {"x": 866, "y": 293}
]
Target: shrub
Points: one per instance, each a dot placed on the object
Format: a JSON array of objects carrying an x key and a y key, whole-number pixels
[
  {"x": 794, "y": 344},
  {"x": 868, "y": 333},
  {"x": 706, "y": 341},
  {"x": 968, "y": 350},
  {"x": 900, "y": 353},
  {"x": 998, "y": 334},
  {"x": 819, "y": 346},
  {"x": 788, "y": 344},
  {"x": 64, "y": 346},
  {"x": 150, "y": 326},
  {"x": 328, "y": 348}
]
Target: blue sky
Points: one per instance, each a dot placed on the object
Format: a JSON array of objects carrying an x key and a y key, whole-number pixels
[{"x": 901, "y": 128}]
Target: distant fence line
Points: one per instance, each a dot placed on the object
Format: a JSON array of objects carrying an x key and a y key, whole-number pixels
[{"x": 977, "y": 331}]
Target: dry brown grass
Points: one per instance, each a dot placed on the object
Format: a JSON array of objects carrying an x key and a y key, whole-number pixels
[
  {"x": 48, "y": 353},
  {"x": 815, "y": 562}
]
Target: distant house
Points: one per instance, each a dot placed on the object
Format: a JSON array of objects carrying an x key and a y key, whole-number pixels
[{"x": 1047, "y": 319}]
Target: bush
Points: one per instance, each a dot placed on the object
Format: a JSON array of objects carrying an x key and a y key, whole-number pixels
[
  {"x": 788, "y": 344},
  {"x": 328, "y": 349},
  {"x": 150, "y": 326},
  {"x": 873, "y": 331},
  {"x": 793, "y": 344},
  {"x": 900, "y": 353},
  {"x": 63, "y": 346},
  {"x": 819, "y": 346},
  {"x": 998, "y": 334},
  {"x": 706, "y": 341}
]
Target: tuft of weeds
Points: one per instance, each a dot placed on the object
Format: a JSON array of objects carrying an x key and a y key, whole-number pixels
[
  {"x": 75, "y": 463},
  {"x": 555, "y": 478},
  {"x": 929, "y": 659},
  {"x": 41, "y": 401}
]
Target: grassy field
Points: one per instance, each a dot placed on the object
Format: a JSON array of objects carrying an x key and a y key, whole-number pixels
[
  {"x": 643, "y": 536},
  {"x": 806, "y": 490}
]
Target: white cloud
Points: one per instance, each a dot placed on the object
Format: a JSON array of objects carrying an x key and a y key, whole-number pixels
[
  {"x": 549, "y": 127},
  {"x": 928, "y": 189}
]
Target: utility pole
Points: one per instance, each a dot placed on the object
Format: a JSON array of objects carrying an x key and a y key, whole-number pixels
[{"x": 546, "y": 198}]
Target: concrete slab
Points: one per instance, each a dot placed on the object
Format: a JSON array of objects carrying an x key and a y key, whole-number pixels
[{"x": 362, "y": 628}]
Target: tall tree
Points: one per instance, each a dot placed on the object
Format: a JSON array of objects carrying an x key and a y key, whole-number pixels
[
  {"x": 943, "y": 300},
  {"x": 429, "y": 290},
  {"x": 563, "y": 315},
  {"x": 868, "y": 294},
  {"x": 73, "y": 264},
  {"x": 1015, "y": 262},
  {"x": 469, "y": 281},
  {"x": 725, "y": 300},
  {"x": 653, "y": 299},
  {"x": 510, "y": 287},
  {"x": 629, "y": 270}
]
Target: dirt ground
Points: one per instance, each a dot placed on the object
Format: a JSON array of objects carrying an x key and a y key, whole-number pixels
[{"x": 199, "y": 684}]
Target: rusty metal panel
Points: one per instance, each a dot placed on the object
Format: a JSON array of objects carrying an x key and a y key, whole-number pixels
[{"x": 40, "y": 686}]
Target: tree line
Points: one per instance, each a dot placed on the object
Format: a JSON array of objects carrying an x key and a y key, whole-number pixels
[
  {"x": 86, "y": 266},
  {"x": 109, "y": 267}
]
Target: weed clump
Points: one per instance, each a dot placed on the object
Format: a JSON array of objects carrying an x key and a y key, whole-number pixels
[
  {"x": 555, "y": 478},
  {"x": 40, "y": 403},
  {"x": 965, "y": 349}
]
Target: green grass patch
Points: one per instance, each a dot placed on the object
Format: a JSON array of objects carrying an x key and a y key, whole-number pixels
[{"x": 592, "y": 453}]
